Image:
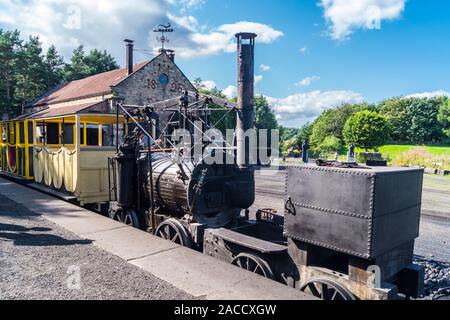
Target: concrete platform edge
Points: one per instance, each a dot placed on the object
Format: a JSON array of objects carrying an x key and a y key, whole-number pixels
[{"x": 185, "y": 269}]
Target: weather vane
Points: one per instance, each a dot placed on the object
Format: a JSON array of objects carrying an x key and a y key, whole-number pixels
[{"x": 163, "y": 30}]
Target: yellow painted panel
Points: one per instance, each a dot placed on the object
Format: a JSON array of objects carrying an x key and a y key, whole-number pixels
[
  {"x": 38, "y": 164},
  {"x": 57, "y": 176},
  {"x": 70, "y": 169},
  {"x": 48, "y": 167},
  {"x": 93, "y": 177}
]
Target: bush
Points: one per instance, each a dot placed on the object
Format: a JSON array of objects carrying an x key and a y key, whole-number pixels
[{"x": 329, "y": 144}]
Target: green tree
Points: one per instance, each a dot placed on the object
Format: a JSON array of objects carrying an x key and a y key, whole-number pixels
[
  {"x": 425, "y": 126},
  {"x": 82, "y": 65},
  {"x": 329, "y": 144},
  {"x": 10, "y": 44},
  {"x": 77, "y": 68},
  {"x": 444, "y": 117},
  {"x": 264, "y": 116},
  {"x": 304, "y": 133},
  {"x": 30, "y": 72},
  {"x": 398, "y": 117},
  {"x": 332, "y": 121},
  {"x": 289, "y": 146},
  {"x": 367, "y": 130},
  {"x": 53, "y": 68},
  {"x": 100, "y": 61}
]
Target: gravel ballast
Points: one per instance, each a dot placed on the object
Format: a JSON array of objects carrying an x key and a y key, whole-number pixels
[{"x": 40, "y": 260}]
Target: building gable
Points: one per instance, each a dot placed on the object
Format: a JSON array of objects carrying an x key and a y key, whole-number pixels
[{"x": 159, "y": 80}]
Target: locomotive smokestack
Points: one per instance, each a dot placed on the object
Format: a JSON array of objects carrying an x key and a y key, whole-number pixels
[
  {"x": 245, "y": 93},
  {"x": 244, "y": 195},
  {"x": 129, "y": 56}
]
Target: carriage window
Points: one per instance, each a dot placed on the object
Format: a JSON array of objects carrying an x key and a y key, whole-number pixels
[
  {"x": 40, "y": 133},
  {"x": 67, "y": 134},
  {"x": 11, "y": 133},
  {"x": 107, "y": 135},
  {"x": 4, "y": 133},
  {"x": 92, "y": 135},
  {"x": 82, "y": 133},
  {"x": 52, "y": 133},
  {"x": 30, "y": 132},
  {"x": 21, "y": 132}
]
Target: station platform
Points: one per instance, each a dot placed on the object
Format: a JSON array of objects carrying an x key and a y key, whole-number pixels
[{"x": 194, "y": 273}]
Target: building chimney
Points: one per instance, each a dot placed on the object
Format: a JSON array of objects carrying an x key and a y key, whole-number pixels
[
  {"x": 171, "y": 54},
  {"x": 129, "y": 56}
]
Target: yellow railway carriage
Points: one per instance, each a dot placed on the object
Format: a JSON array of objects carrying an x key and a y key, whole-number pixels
[{"x": 67, "y": 153}]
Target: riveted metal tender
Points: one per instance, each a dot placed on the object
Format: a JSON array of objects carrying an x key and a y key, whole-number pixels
[{"x": 356, "y": 222}]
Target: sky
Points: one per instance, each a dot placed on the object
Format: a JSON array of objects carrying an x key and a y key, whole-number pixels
[{"x": 311, "y": 55}]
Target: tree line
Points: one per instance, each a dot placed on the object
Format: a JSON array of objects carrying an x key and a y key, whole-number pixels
[
  {"x": 27, "y": 71},
  {"x": 397, "y": 120}
]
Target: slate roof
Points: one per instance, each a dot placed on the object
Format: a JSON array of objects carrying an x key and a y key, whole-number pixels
[
  {"x": 55, "y": 111},
  {"x": 88, "y": 87}
]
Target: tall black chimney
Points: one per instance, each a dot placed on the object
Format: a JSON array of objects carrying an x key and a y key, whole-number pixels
[
  {"x": 129, "y": 56},
  {"x": 245, "y": 182},
  {"x": 245, "y": 94}
]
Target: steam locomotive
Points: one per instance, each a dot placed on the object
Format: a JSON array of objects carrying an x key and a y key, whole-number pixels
[{"x": 326, "y": 243}]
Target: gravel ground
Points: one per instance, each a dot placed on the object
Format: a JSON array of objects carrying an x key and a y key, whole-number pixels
[
  {"x": 38, "y": 260},
  {"x": 437, "y": 279}
]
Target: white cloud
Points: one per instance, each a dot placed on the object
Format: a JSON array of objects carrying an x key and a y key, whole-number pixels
[
  {"x": 230, "y": 91},
  {"x": 188, "y": 22},
  {"x": 299, "y": 108},
  {"x": 185, "y": 5},
  {"x": 307, "y": 81},
  {"x": 102, "y": 24},
  {"x": 208, "y": 85},
  {"x": 258, "y": 79},
  {"x": 264, "y": 67},
  {"x": 431, "y": 94},
  {"x": 303, "y": 50},
  {"x": 190, "y": 44},
  {"x": 345, "y": 16}
]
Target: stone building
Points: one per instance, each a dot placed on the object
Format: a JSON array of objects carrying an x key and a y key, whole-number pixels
[{"x": 148, "y": 82}]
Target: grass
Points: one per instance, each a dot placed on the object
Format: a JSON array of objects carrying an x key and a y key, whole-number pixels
[
  {"x": 392, "y": 151},
  {"x": 430, "y": 156}
]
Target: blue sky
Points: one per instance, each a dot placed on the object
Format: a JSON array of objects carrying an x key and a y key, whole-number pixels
[{"x": 310, "y": 54}]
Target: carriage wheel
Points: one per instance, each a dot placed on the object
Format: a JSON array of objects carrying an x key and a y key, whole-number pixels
[
  {"x": 253, "y": 264},
  {"x": 327, "y": 289},
  {"x": 174, "y": 231},
  {"x": 127, "y": 217}
]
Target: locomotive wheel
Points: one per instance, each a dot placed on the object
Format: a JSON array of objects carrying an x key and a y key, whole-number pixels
[
  {"x": 326, "y": 289},
  {"x": 172, "y": 230},
  {"x": 128, "y": 217},
  {"x": 253, "y": 264}
]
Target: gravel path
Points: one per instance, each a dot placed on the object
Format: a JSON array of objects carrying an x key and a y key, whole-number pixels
[{"x": 38, "y": 260}]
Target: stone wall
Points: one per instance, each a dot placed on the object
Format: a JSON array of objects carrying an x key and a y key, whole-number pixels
[{"x": 150, "y": 84}]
